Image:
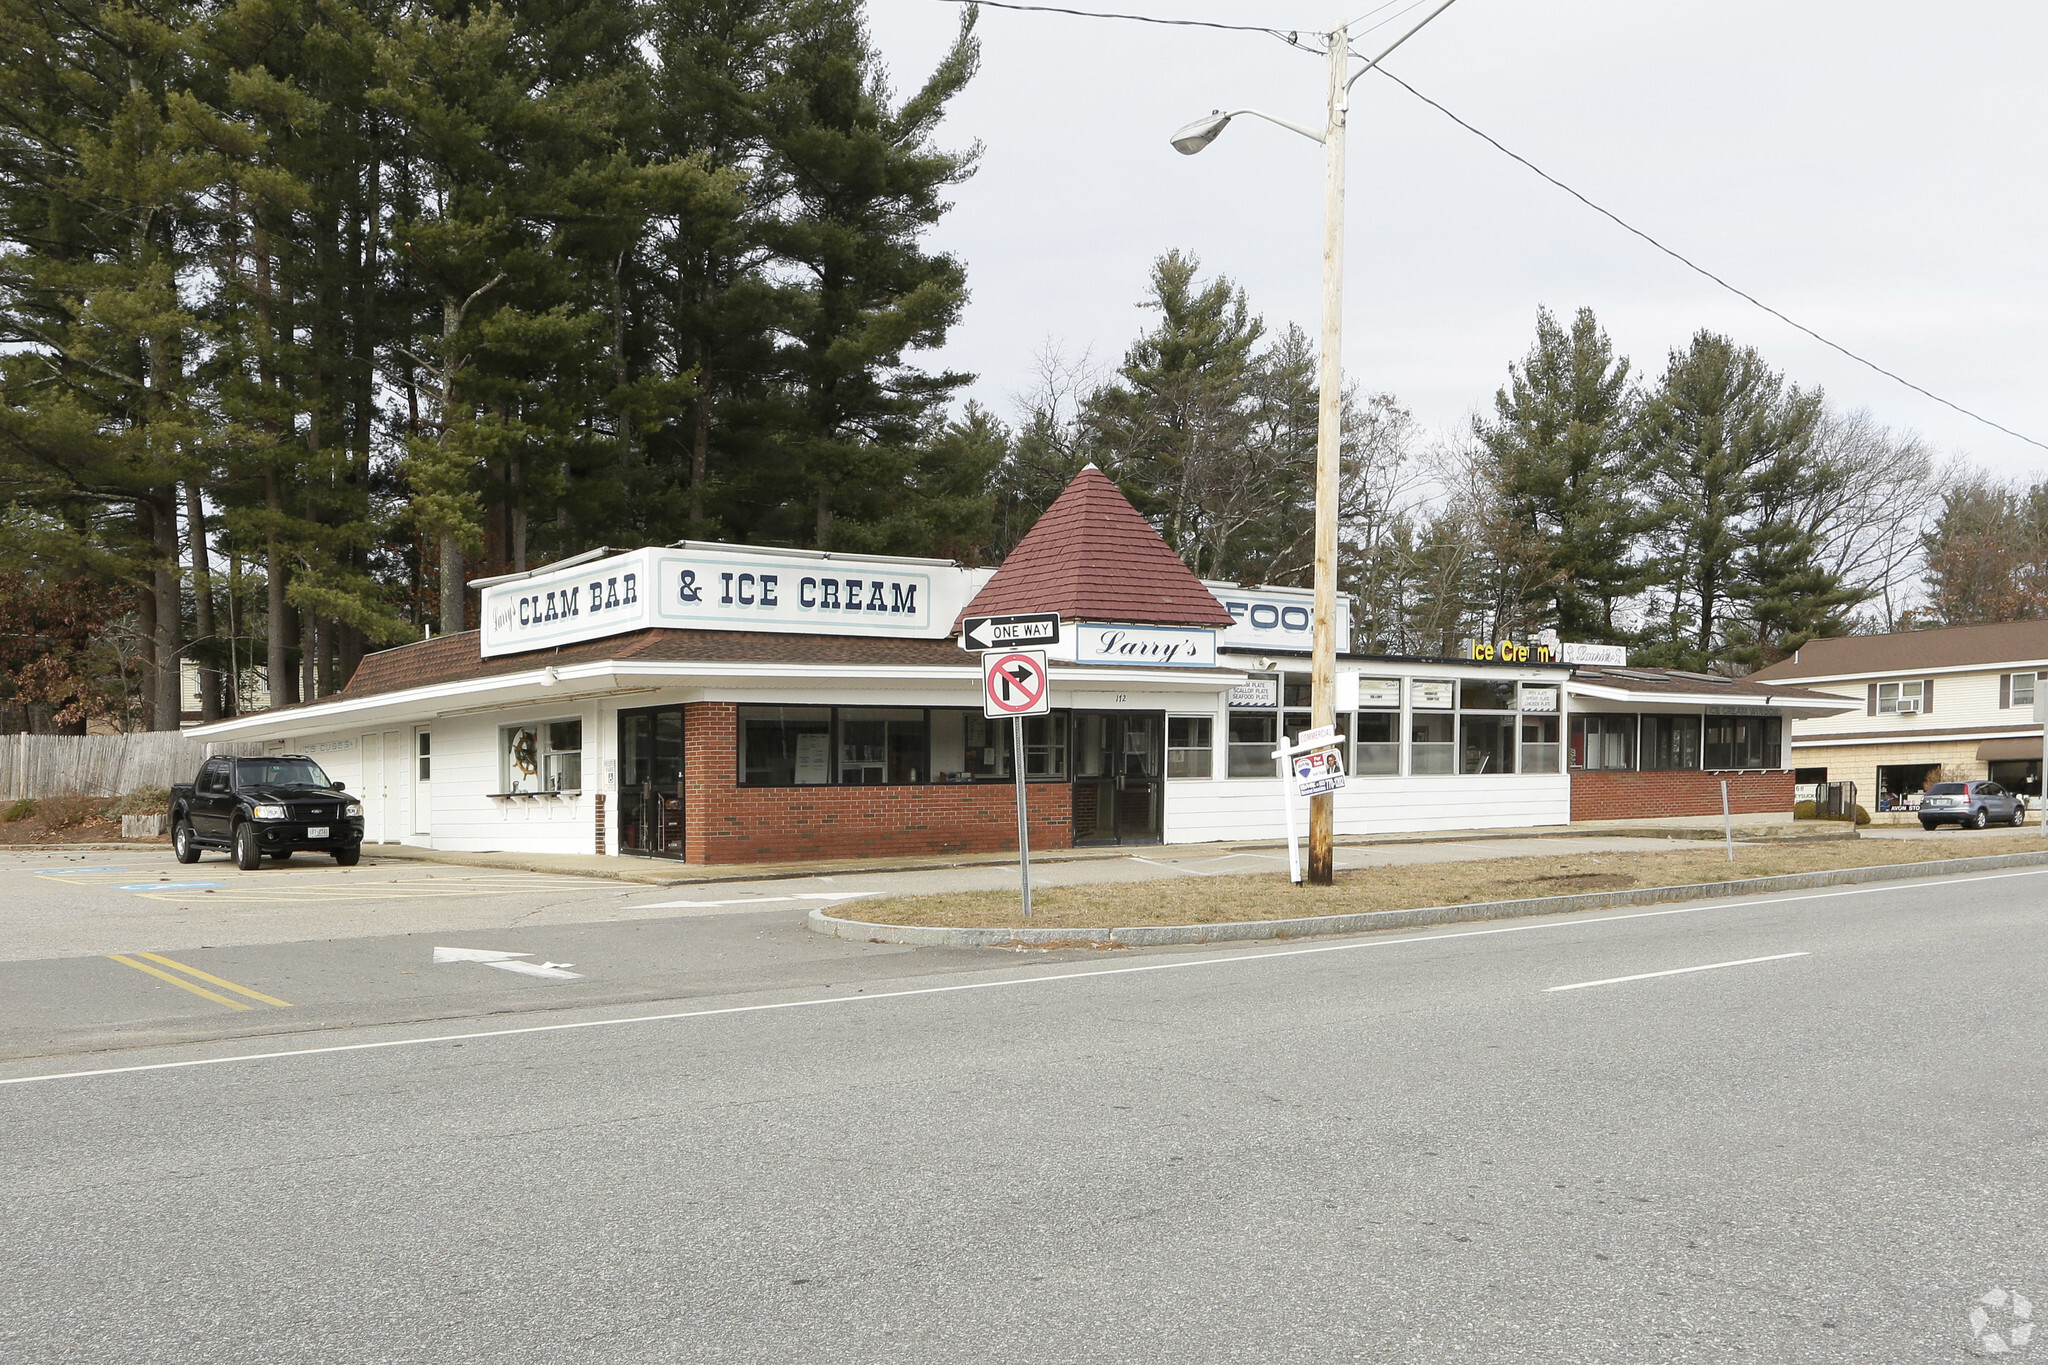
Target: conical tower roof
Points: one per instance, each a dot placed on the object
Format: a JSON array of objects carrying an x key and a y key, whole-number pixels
[{"x": 1092, "y": 557}]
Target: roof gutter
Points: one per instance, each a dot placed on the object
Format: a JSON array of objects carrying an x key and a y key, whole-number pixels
[{"x": 598, "y": 679}]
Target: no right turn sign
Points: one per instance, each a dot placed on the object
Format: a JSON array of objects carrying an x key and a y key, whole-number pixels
[{"x": 1013, "y": 683}]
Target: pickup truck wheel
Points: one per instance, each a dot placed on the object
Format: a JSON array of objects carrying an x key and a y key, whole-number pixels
[
  {"x": 248, "y": 856},
  {"x": 181, "y": 842},
  {"x": 350, "y": 856}
]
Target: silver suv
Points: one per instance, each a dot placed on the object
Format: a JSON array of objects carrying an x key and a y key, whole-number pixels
[{"x": 1975, "y": 804}]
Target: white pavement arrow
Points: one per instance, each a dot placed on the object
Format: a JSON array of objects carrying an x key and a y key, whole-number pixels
[{"x": 507, "y": 962}]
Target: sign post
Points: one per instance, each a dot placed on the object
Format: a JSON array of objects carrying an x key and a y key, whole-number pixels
[
  {"x": 1315, "y": 764},
  {"x": 2041, "y": 715},
  {"x": 1013, "y": 684}
]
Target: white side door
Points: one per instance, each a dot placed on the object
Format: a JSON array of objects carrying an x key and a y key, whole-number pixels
[
  {"x": 393, "y": 787},
  {"x": 372, "y": 793},
  {"x": 422, "y": 766}
]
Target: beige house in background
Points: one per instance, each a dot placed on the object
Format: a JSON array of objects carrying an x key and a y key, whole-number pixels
[{"x": 1937, "y": 705}]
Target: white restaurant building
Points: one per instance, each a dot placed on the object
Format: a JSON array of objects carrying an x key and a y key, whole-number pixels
[{"x": 731, "y": 704}]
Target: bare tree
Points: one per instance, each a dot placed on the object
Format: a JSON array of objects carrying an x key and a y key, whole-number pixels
[{"x": 1879, "y": 492}]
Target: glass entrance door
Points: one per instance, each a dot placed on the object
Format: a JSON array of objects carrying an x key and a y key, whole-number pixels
[
  {"x": 651, "y": 782},
  {"x": 1117, "y": 769}
]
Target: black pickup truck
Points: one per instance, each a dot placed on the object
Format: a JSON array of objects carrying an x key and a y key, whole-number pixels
[{"x": 257, "y": 808}]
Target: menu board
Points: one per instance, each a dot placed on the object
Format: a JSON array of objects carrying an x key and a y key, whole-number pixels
[
  {"x": 1433, "y": 696},
  {"x": 1379, "y": 693},
  {"x": 1256, "y": 692},
  {"x": 813, "y": 760}
]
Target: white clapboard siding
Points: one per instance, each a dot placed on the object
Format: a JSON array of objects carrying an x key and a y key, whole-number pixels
[{"x": 1250, "y": 808}]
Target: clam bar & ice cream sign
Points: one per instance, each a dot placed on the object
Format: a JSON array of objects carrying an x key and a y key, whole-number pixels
[
  {"x": 1154, "y": 646},
  {"x": 712, "y": 587}
]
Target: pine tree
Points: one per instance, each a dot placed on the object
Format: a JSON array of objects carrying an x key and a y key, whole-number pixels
[
  {"x": 1719, "y": 432},
  {"x": 1561, "y": 453},
  {"x": 855, "y": 180},
  {"x": 98, "y": 193}
]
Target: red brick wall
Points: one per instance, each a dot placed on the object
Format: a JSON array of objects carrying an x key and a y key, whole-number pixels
[
  {"x": 1626, "y": 796},
  {"x": 727, "y": 823}
]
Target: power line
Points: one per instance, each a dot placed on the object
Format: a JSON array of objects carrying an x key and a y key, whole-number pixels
[
  {"x": 1282, "y": 34},
  {"x": 1701, "y": 270},
  {"x": 1293, "y": 39},
  {"x": 1361, "y": 32}
]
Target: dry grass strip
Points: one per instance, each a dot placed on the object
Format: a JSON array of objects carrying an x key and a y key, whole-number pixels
[{"x": 1214, "y": 900}]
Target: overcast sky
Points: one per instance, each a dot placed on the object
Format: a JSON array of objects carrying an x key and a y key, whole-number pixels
[{"x": 1873, "y": 169}]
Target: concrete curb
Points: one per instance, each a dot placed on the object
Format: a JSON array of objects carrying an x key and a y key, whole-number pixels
[{"x": 1167, "y": 935}]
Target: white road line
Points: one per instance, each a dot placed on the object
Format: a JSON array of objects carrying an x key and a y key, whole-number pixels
[
  {"x": 1675, "y": 971},
  {"x": 1350, "y": 947}
]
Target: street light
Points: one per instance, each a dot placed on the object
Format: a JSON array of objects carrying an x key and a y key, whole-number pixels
[{"x": 1329, "y": 409}]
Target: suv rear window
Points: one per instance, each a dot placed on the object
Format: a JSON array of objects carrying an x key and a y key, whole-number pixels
[{"x": 1948, "y": 789}]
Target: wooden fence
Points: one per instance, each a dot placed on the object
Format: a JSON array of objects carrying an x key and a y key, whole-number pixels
[{"x": 103, "y": 765}]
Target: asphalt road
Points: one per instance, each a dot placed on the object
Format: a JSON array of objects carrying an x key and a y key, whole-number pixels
[{"x": 1388, "y": 1148}]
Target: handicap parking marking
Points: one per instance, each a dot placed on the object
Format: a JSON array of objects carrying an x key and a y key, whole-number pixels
[{"x": 273, "y": 887}]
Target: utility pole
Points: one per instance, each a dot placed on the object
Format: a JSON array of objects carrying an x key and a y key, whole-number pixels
[
  {"x": 1322, "y": 855},
  {"x": 1322, "y": 815}
]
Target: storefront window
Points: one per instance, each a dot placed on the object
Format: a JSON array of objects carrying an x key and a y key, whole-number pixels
[
  {"x": 856, "y": 746},
  {"x": 1378, "y": 751},
  {"x": 1432, "y": 729},
  {"x": 1488, "y": 743},
  {"x": 1190, "y": 748},
  {"x": 1486, "y": 696},
  {"x": 1736, "y": 742},
  {"x": 1671, "y": 744},
  {"x": 1045, "y": 746},
  {"x": 562, "y": 764},
  {"x": 1433, "y": 747},
  {"x": 785, "y": 746},
  {"x": 1253, "y": 737},
  {"x": 541, "y": 756},
  {"x": 1539, "y": 744},
  {"x": 982, "y": 747},
  {"x": 1486, "y": 727},
  {"x": 1601, "y": 743},
  {"x": 878, "y": 747}
]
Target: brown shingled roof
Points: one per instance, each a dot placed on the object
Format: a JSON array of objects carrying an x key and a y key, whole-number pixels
[
  {"x": 2007, "y": 642},
  {"x": 1650, "y": 681},
  {"x": 1092, "y": 557},
  {"x": 455, "y": 658}
]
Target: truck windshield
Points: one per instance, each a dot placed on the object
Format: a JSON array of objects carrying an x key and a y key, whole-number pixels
[{"x": 278, "y": 772}]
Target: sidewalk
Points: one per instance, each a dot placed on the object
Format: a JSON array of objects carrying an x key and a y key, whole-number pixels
[{"x": 663, "y": 872}]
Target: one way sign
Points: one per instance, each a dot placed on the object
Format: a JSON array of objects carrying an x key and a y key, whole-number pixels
[{"x": 1006, "y": 632}]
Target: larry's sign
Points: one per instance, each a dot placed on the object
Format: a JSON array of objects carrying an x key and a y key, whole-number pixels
[{"x": 1156, "y": 646}]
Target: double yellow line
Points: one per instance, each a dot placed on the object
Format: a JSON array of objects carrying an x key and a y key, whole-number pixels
[{"x": 183, "y": 984}]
